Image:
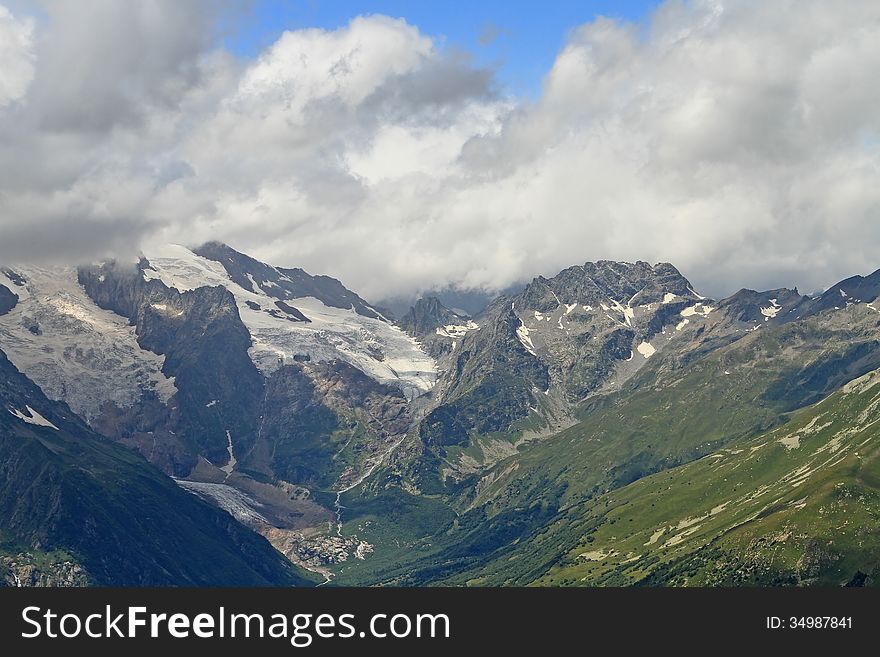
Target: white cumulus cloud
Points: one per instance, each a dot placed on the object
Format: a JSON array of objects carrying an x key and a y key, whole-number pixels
[
  {"x": 738, "y": 140},
  {"x": 16, "y": 56}
]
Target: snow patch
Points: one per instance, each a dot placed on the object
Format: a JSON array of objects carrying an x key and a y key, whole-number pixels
[
  {"x": 457, "y": 331},
  {"x": 811, "y": 428},
  {"x": 771, "y": 311},
  {"x": 669, "y": 297},
  {"x": 627, "y": 312},
  {"x": 254, "y": 285},
  {"x": 697, "y": 309},
  {"x": 699, "y": 296},
  {"x": 678, "y": 538},
  {"x": 656, "y": 536},
  {"x": 687, "y": 522},
  {"x": 646, "y": 349},
  {"x": 32, "y": 417},
  {"x": 230, "y": 466},
  {"x": 522, "y": 332},
  {"x": 163, "y": 308},
  {"x": 598, "y": 555}
]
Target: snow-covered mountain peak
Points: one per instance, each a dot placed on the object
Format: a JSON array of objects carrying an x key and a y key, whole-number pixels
[{"x": 292, "y": 315}]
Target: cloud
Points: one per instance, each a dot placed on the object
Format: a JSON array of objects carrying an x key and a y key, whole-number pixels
[
  {"x": 103, "y": 63},
  {"x": 736, "y": 140},
  {"x": 16, "y": 56}
]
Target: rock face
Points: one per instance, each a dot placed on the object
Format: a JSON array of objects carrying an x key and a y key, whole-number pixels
[
  {"x": 221, "y": 370},
  {"x": 75, "y": 351},
  {"x": 8, "y": 299},
  {"x": 438, "y": 329},
  {"x": 426, "y": 316},
  {"x": 518, "y": 370},
  {"x": 204, "y": 345},
  {"x": 281, "y": 379},
  {"x": 345, "y": 329},
  {"x": 538, "y": 355},
  {"x": 27, "y": 569},
  {"x": 683, "y": 389},
  {"x": 323, "y": 424},
  {"x": 629, "y": 285},
  {"x": 490, "y": 383}
]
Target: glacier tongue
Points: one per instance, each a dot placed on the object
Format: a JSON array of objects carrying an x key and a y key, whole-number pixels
[
  {"x": 376, "y": 347},
  {"x": 74, "y": 350}
]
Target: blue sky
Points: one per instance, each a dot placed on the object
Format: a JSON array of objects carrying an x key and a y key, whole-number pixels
[{"x": 519, "y": 37}]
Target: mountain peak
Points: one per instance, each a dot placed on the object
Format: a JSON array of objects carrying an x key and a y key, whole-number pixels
[
  {"x": 281, "y": 283},
  {"x": 752, "y": 306},
  {"x": 855, "y": 289},
  {"x": 593, "y": 283},
  {"x": 427, "y": 315}
]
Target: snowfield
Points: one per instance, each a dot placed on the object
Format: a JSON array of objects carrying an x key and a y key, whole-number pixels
[
  {"x": 376, "y": 347},
  {"x": 74, "y": 350}
]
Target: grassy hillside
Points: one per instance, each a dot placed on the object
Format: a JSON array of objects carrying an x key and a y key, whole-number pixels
[{"x": 796, "y": 505}]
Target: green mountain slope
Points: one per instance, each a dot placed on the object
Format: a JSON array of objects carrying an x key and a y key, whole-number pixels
[
  {"x": 796, "y": 505},
  {"x": 684, "y": 404}
]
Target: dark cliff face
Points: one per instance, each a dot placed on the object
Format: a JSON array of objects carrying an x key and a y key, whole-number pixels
[
  {"x": 62, "y": 487},
  {"x": 426, "y": 316},
  {"x": 425, "y": 321},
  {"x": 320, "y": 420},
  {"x": 8, "y": 299},
  {"x": 205, "y": 346},
  {"x": 491, "y": 384}
]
